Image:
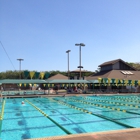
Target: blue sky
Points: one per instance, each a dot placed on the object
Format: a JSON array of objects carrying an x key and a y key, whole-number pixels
[{"x": 40, "y": 32}]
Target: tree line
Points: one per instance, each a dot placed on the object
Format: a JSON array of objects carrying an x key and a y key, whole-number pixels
[
  {"x": 135, "y": 65},
  {"x": 17, "y": 74}
]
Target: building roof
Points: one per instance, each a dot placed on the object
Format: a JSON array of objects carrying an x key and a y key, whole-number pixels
[
  {"x": 115, "y": 61},
  {"x": 109, "y": 62},
  {"x": 117, "y": 74},
  {"x": 58, "y": 76}
]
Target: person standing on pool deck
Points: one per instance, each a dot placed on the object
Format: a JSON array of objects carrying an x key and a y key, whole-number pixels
[{"x": 1, "y": 97}]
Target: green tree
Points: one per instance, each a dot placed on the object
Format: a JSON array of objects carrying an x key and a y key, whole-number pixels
[
  {"x": 16, "y": 74},
  {"x": 9, "y": 75},
  {"x": 98, "y": 70},
  {"x": 135, "y": 65}
]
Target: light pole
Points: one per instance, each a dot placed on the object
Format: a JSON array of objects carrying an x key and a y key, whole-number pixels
[
  {"x": 68, "y": 61},
  {"x": 20, "y": 66},
  {"x": 81, "y": 44}
]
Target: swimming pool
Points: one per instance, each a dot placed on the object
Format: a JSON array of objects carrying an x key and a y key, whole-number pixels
[{"x": 55, "y": 116}]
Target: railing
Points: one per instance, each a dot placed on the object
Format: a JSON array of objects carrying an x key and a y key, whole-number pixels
[{"x": 49, "y": 92}]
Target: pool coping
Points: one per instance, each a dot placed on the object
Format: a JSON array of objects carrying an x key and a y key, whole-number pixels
[
  {"x": 66, "y": 94},
  {"x": 128, "y": 134}
]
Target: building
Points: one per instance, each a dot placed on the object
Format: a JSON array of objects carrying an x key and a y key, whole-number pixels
[{"x": 117, "y": 69}]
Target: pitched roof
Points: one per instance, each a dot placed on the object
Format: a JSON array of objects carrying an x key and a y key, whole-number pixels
[
  {"x": 58, "y": 76},
  {"x": 115, "y": 61},
  {"x": 110, "y": 62},
  {"x": 117, "y": 74}
]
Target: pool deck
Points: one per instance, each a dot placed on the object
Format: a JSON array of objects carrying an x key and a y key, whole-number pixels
[
  {"x": 45, "y": 95},
  {"x": 127, "y": 134},
  {"x": 61, "y": 94}
]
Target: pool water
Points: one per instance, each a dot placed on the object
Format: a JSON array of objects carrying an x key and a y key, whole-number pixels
[{"x": 25, "y": 121}]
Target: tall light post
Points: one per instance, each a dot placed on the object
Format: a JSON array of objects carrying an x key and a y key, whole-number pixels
[
  {"x": 20, "y": 59},
  {"x": 68, "y": 61},
  {"x": 81, "y": 44}
]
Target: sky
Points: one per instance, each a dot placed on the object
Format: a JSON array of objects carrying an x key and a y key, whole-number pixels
[{"x": 41, "y": 31}]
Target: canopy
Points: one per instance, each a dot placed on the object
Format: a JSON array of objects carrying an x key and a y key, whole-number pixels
[
  {"x": 18, "y": 81},
  {"x": 93, "y": 81},
  {"x": 68, "y": 81}
]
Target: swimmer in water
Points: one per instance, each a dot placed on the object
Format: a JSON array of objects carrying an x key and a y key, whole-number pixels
[{"x": 22, "y": 102}]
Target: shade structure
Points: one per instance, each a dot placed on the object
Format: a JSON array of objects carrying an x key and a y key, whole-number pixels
[
  {"x": 17, "y": 81},
  {"x": 67, "y": 81},
  {"x": 93, "y": 81}
]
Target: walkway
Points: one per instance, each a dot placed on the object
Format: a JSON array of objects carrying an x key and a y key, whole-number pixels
[{"x": 127, "y": 134}]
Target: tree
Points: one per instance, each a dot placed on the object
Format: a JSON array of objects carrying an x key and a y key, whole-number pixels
[
  {"x": 15, "y": 74},
  {"x": 98, "y": 70},
  {"x": 135, "y": 65},
  {"x": 9, "y": 75}
]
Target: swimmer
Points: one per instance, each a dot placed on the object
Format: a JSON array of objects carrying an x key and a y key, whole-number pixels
[{"x": 22, "y": 102}]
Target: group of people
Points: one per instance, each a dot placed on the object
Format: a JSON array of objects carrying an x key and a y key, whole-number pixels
[
  {"x": 75, "y": 89},
  {"x": 1, "y": 97}
]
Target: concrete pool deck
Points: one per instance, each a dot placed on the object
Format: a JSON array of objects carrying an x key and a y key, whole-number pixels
[
  {"x": 64, "y": 93},
  {"x": 127, "y": 134}
]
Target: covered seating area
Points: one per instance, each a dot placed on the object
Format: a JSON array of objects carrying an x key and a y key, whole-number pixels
[
  {"x": 36, "y": 87},
  {"x": 111, "y": 85},
  {"x": 55, "y": 86},
  {"x": 19, "y": 87}
]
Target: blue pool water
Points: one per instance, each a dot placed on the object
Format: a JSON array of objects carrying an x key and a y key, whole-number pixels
[{"x": 25, "y": 121}]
